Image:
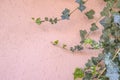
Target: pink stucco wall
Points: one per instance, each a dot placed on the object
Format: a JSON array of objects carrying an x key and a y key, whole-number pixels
[{"x": 25, "y": 49}]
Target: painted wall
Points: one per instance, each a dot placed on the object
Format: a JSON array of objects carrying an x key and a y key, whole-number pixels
[{"x": 25, "y": 49}]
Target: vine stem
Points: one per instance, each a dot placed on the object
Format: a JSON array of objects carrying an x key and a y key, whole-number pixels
[
  {"x": 73, "y": 10},
  {"x": 69, "y": 14},
  {"x": 112, "y": 60},
  {"x": 88, "y": 34},
  {"x": 116, "y": 54},
  {"x": 98, "y": 19}
]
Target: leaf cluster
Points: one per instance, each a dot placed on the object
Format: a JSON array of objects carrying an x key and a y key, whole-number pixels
[{"x": 107, "y": 65}]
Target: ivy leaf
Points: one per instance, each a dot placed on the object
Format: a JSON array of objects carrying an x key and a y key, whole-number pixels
[
  {"x": 112, "y": 71},
  {"x": 46, "y": 18},
  {"x": 55, "y": 20},
  {"x": 110, "y": 4},
  {"x": 117, "y": 34},
  {"x": 81, "y": 7},
  {"x": 101, "y": 56},
  {"x": 55, "y": 42},
  {"x": 94, "y": 27},
  {"x": 80, "y": 1},
  {"x": 51, "y": 21},
  {"x": 118, "y": 4},
  {"x": 90, "y": 14},
  {"x": 64, "y": 46},
  {"x": 89, "y": 63},
  {"x": 78, "y": 47},
  {"x": 95, "y": 60},
  {"x": 72, "y": 49},
  {"x": 83, "y": 34},
  {"x": 88, "y": 76},
  {"x": 38, "y": 21},
  {"x": 95, "y": 45},
  {"x": 93, "y": 70},
  {"x": 106, "y": 22},
  {"x": 79, "y": 73},
  {"x": 106, "y": 42},
  {"x": 88, "y": 41},
  {"x": 65, "y": 14},
  {"x": 105, "y": 12}
]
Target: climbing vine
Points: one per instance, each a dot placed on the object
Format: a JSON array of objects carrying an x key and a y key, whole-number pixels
[{"x": 107, "y": 65}]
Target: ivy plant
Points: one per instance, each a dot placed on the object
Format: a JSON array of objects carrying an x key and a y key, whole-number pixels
[{"x": 107, "y": 65}]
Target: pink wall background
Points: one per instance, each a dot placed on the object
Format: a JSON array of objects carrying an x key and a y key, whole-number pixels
[{"x": 25, "y": 49}]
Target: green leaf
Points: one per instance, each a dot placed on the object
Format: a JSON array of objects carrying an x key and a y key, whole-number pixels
[
  {"x": 81, "y": 7},
  {"x": 89, "y": 63},
  {"x": 83, "y": 34},
  {"x": 110, "y": 4},
  {"x": 55, "y": 20},
  {"x": 105, "y": 12},
  {"x": 65, "y": 14},
  {"x": 72, "y": 49},
  {"x": 94, "y": 27},
  {"x": 38, "y": 21},
  {"x": 105, "y": 37},
  {"x": 93, "y": 70},
  {"x": 78, "y": 47},
  {"x": 80, "y": 1},
  {"x": 95, "y": 60},
  {"x": 51, "y": 21},
  {"x": 79, "y": 73},
  {"x": 118, "y": 4},
  {"x": 88, "y": 41},
  {"x": 101, "y": 56},
  {"x": 90, "y": 14},
  {"x": 106, "y": 22},
  {"x": 117, "y": 33},
  {"x": 88, "y": 76},
  {"x": 46, "y": 18},
  {"x": 55, "y": 42},
  {"x": 64, "y": 46},
  {"x": 96, "y": 45}
]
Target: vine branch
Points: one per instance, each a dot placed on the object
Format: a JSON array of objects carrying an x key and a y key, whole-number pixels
[{"x": 112, "y": 60}]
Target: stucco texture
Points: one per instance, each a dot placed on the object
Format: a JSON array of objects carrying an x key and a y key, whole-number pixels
[{"x": 26, "y": 52}]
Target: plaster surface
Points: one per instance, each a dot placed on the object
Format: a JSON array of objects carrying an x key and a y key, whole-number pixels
[{"x": 26, "y": 52}]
